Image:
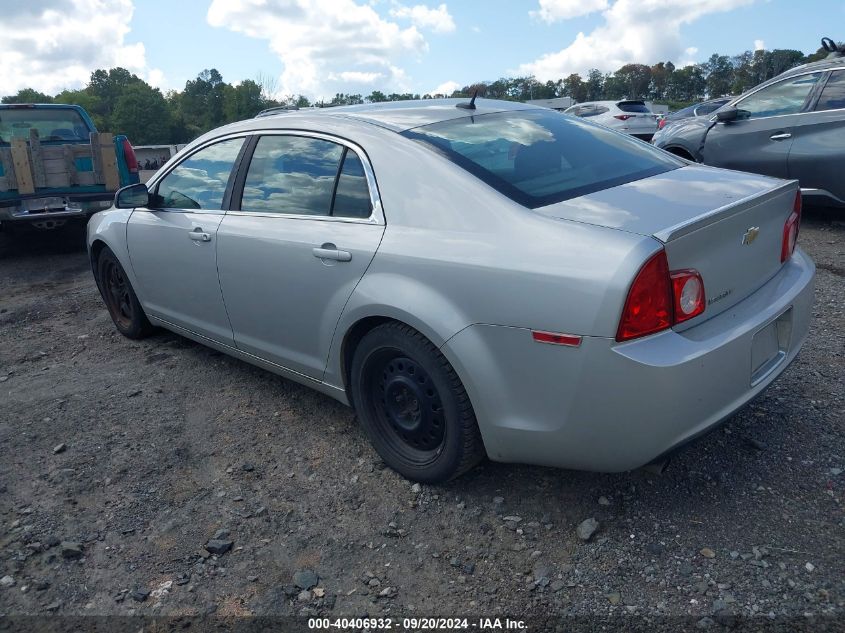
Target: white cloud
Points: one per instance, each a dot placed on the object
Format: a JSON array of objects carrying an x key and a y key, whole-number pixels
[
  {"x": 633, "y": 31},
  {"x": 555, "y": 10},
  {"x": 446, "y": 88},
  {"x": 326, "y": 46},
  {"x": 759, "y": 45},
  {"x": 51, "y": 45},
  {"x": 438, "y": 20}
]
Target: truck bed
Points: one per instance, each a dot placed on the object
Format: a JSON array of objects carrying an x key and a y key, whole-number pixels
[{"x": 28, "y": 167}]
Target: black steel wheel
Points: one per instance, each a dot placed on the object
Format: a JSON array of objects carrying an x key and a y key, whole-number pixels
[
  {"x": 120, "y": 298},
  {"x": 413, "y": 406}
]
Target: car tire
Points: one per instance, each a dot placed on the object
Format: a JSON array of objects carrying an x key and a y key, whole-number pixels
[
  {"x": 412, "y": 405},
  {"x": 120, "y": 298}
]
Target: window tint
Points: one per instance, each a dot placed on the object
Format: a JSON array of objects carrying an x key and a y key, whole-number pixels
[
  {"x": 633, "y": 106},
  {"x": 199, "y": 181},
  {"x": 352, "y": 197},
  {"x": 292, "y": 175},
  {"x": 707, "y": 108},
  {"x": 784, "y": 97},
  {"x": 538, "y": 157},
  {"x": 833, "y": 95},
  {"x": 593, "y": 111},
  {"x": 53, "y": 124}
]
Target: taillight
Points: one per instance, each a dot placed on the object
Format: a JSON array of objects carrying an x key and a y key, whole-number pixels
[
  {"x": 129, "y": 155},
  {"x": 688, "y": 290},
  {"x": 623, "y": 117},
  {"x": 661, "y": 124},
  {"x": 790, "y": 230},
  {"x": 659, "y": 299},
  {"x": 648, "y": 308}
]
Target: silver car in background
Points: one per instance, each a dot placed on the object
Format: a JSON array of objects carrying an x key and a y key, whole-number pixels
[
  {"x": 474, "y": 278},
  {"x": 629, "y": 116}
]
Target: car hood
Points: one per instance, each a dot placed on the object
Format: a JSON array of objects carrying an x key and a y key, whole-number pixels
[{"x": 658, "y": 205}]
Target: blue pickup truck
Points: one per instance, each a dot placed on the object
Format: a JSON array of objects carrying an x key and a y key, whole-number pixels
[{"x": 56, "y": 167}]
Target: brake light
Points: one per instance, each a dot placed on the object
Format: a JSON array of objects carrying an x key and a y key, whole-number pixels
[
  {"x": 659, "y": 299},
  {"x": 648, "y": 308},
  {"x": 661, "y": 124},
  {"x": 623, "y": 117},
  {"x": 129, "y": 155},
  {"x": 688, "y": 290},
  {"x": 790, "y": 230}
]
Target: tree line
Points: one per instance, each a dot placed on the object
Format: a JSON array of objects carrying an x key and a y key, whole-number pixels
[{"x": 122, "y": 102}]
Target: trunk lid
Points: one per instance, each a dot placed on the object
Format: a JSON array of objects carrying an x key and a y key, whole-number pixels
[{"x": 727, "y": 225}]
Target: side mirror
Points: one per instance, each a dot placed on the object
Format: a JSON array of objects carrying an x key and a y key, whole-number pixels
[
  {"x": 133, "y": 196},
  {"x": 727, "y": 114}
]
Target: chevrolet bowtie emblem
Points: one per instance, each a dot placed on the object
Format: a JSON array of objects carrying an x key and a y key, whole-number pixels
[{"x": 750, "y": 235}]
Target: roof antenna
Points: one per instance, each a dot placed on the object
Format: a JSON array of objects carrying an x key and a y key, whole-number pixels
[{"x": 471, "y": 104}]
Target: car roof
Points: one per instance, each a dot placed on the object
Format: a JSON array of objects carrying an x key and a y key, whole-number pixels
[
  {"x": 403, "y": 115},
  {"x": 820, "y": 65}
]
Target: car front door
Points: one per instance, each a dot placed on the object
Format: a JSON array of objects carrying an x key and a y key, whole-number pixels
[
  {"x": 760, "y": 140},
  {"x": 817, "y": 157},
  {"x": 172, "y": 244},
  {"x": 294, "y": 245}
]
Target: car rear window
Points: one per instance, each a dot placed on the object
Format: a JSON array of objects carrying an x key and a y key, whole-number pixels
[
  {"x": 53, "y": 124},
  {"x": 633, "y": 106},
  {"x": 539, "y": 157}
]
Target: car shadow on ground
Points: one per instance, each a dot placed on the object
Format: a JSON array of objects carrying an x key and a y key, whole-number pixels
[{"x": 25, "y": 242}]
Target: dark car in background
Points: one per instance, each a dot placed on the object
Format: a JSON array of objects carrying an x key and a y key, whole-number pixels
[
  {"x": 792, "y": 126},
  {"x": 696, "y": 109}
]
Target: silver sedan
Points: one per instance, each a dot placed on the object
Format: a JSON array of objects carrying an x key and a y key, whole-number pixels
[{"x": 474, "y": 278}]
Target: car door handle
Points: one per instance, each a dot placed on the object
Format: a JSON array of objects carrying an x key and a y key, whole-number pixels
[
  {"x": 781, "y": 136},
  {"x": 198, "y": 236},
  {"x": 329, "y": 251}
]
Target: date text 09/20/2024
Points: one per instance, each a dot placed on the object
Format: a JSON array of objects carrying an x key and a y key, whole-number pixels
[{"x": 417, "y": 624}]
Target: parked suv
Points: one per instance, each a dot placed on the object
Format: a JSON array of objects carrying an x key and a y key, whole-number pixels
[
  {"x": 792, "y": 126},
  {"x": 630, "y": 117}
]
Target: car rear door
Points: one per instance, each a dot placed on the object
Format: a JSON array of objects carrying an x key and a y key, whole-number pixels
[
  {"x": 817, "y": 156},
  {"x": 172, "y": 244},
  {"x": 304, "y": 225},
  {"x": 760, "y": 142}
]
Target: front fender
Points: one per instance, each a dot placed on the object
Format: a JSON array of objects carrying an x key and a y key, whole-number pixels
[{"x": 108, "y": 228}]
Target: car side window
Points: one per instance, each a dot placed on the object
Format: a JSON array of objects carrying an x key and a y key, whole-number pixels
[
  {"x": 785, "y": 97},
  {"x": 833, "y": 94},
  {"x": 292, "y": 175},
  {"x": 352, "y": 196},
  {"x": 199, "y": 181}
]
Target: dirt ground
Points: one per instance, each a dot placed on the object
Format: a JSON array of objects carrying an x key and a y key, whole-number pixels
[{"x": 120, "y": 460}]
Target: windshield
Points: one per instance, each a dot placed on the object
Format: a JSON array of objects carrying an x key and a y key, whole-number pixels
[
  {"x": 539, "y": 157},
  {"x": 633, "y": 106},
  {"x": 53, "y": 124}
]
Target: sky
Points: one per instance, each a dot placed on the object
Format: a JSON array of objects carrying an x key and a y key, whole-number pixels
[{"x": 320, "y": 47}]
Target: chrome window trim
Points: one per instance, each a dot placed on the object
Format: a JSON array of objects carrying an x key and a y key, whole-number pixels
[
  {"x": 766, "y": 85},
  {"x": 161, "y": 175},
  {"x": 376, "y": 214}
]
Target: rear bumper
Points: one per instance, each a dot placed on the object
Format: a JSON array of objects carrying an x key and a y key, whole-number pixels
[
  {"x": 43, "y": 208},
  {"x": 609, "y": 406}
]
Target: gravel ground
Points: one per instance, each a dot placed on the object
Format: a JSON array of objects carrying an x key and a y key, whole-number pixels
[{"x": 121, "y": 460}]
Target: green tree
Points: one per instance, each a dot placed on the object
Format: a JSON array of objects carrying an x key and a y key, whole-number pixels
[
  {"x": 106, "y": 87},
  {"x": 660, "y": 75},
  {"x": 594, "y": 85},
  {"x": 141, "y": 113},
  {"x": 243, "y": 101},
  {"x": 720, "y": 75},
  {"x": 636, "y": 78},
  {"x": 27, "y": 95},
  {"x": 202, "y": 102},
  {"x": 574, "y": 88}
]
